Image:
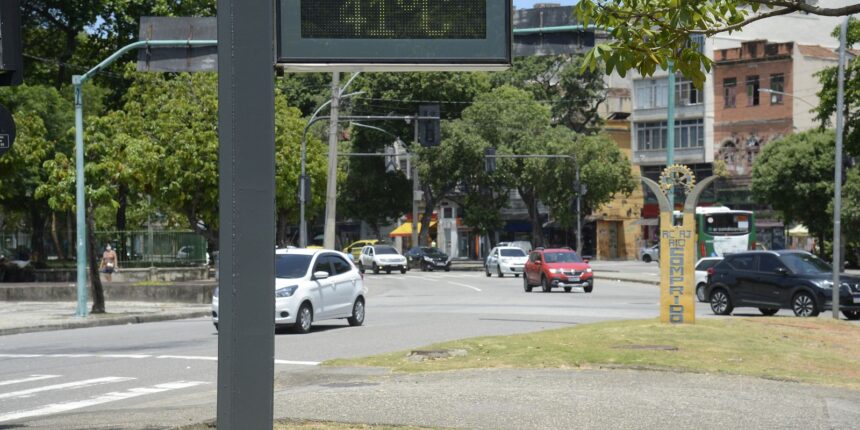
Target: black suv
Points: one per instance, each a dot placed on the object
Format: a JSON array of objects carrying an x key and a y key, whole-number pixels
[
  {"x": 774, "y": 280},
  {"x": 428, "y": 258}
]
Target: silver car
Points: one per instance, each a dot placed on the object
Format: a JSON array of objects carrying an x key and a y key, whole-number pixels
[
  {"x": 313, "y": 285},
  {"x": 650, "y": 253},
  {"x": 504, "y": 260}
]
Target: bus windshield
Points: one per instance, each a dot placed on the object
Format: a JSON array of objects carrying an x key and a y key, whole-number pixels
[{"x": 727, "y": 224}]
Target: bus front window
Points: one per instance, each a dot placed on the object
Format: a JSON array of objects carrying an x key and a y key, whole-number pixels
[{"x": 727, "y": 224}]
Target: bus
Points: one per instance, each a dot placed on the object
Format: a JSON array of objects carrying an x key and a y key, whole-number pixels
[{"x": 720, "y": 231}]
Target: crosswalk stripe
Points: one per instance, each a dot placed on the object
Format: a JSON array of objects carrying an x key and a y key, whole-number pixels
[
  {"x": 30, "y": 379},
  {"x": 298, "y": 363},
  {"x": 188, "y": 357},
  {"x": 106, "y": 398},
  {"x": 66, "y": 386}
]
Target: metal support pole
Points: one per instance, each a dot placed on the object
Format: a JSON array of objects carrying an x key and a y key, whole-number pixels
[
  {"x": 246, "y": 133},
  {"x": 80, "y": 199},
  {"x": 416, "y": 188},
  {"x": 670, "y": 129},
  {"x": 331, "y": 181},
  {"x": 837, "y": 197},
  {"x": 578, "y": 208}
]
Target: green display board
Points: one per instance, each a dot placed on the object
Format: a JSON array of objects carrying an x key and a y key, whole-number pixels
[{"x": 394, "y": 34}]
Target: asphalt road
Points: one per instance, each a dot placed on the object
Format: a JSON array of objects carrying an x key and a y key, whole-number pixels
[{"x": 164, "y": 374}]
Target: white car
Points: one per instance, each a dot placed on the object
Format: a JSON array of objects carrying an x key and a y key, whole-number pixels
[
  {"x": 313, "y": 285},
  {"x": 702, "y": 267},
  {"x": 381, "y": 257},
  {"x": 505, "y": 260},
  {"x": 650, "y": 253}
]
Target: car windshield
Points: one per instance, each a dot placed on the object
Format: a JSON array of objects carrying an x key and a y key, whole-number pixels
[
  {"x": 291, "y": 266},
  {"x": 561, "y": 257},
  {"x": 431, "y": 250},
  {"x": 513, "y": 253},
  {"x": 385, "y": 250},
  {"x": 806, "y": 264}
]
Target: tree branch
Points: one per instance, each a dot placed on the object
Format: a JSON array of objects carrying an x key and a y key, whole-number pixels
[
  {"x": 745, "y": 22},
  {"x": 805, "y": 7}
]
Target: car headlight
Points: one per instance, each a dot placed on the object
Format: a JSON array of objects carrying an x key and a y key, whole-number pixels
[
  {"x": 555, "y": 271},
  {"x": 215, "y": 293},
  {"x": 426, "y": 258},
  {"x": 286, "y": 291},
  {"x": 588, "y": 270},
  {"x": 825, "y": 284}
]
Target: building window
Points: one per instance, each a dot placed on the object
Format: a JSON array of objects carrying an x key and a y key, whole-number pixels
[
  {"x": 686, "y": 94},
  {"x": 777, "y": 88},
  {"x": 654, "y": 93},
  {"x": 752, "y": 91},
  {"x": 729, "y": 92},
  {"x": 652, "y": 136}
]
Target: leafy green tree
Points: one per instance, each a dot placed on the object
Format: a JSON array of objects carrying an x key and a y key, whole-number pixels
[
  {"x": 604, "y": 171},
  {"x": 795, "y": 176},
  {"x": 826, "y": 110},
  {"x": 647, "y": 34},
  {"x": 513, "y": 122},
  {"x": 574, "y": 94}
]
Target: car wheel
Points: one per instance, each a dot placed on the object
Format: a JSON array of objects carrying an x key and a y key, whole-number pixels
[
  {"x": 387, "y": 271},
  {"x": 700, "y": 293},
  {"x": 487, "y": 272},
  {"x": 567, "y": 289},
  {"x": 448, "y": 268},
  {"x": 357, "y": 317},
  {"x": 721, "y": 304},
  {"x": 646, "y": 258},
  {"x": 424, "y": 267},
  {"x": 588, "y": 288},
  {"x": 544, "y": 285},
  {"x": 499, "y": 271},
  {"x": 403, "y": 271},
  {"x": 804, "y": 305},
  {"x": 360, "y": 267},
  {"x": 852, "y": 315},
  {"x": 304, "y": 319},
  {"x": 526, "y": 286},
  {"x": 516, "y": 275},
  {"x": 375, "y": 269},
  {"x": 768, "y": 312},
  {"x": 216, "y": 325}
]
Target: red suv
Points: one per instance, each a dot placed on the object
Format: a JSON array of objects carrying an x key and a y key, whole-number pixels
[{"x": 558, "y": 267}]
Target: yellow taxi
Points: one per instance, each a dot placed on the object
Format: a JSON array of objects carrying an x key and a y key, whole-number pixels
[{"x": 355, "y": 247}]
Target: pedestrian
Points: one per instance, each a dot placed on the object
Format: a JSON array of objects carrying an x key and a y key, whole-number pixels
[{"x": 110, "y": 263}]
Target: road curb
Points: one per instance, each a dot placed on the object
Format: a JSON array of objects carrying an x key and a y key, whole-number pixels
[{"x": 103, "y": 322}]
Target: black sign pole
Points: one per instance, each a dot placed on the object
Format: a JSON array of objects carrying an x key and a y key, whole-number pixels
[{"x": 246, "y": 123}]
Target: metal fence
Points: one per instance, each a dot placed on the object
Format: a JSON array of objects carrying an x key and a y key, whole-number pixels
[{"x": 155, "y": 248}]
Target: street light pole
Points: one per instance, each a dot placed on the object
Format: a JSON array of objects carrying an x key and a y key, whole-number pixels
[
  {"x": 416, "y": 189},
  {"x": 837, "y": 197},
  {"x": 331, "y": 182}
]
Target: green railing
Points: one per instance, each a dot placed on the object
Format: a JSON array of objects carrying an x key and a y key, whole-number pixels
[{"x": 155, "y": 248}]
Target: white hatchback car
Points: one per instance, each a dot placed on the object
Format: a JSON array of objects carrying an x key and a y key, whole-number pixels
[
  {"x": 702, "y": 267},
  {"x": 504, "y": 260},
  {"x": 381, "y": 257},
  {"x": 313, "y": 285}
]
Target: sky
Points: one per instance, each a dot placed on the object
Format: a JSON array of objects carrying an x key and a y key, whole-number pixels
[{"x": 525, "y": 4}]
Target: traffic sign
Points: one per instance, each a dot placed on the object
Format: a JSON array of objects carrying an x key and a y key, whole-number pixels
[
  {"x": 7, "y": 130},
  {"x": 393, "y": 35}
]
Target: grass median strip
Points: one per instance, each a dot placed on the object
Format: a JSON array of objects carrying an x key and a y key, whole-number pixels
[{"x": 815, "y": 350}]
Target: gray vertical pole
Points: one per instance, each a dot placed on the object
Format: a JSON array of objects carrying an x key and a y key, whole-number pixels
[
  {"x": 331, "y": 182},
  {"x": 416, "y": 187},
  {"x": 670, "y": 130},
  {"x": 837, "y": 197},
  {"x": 246, "y": 124},
  {"x": 578, "y": 209},
  {"x": 80, "y": 199}
]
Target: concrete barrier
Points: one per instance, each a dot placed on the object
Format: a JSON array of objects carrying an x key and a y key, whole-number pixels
[
  {"x": 147, "y": 274},
  {"x": 200, "y": 293}
]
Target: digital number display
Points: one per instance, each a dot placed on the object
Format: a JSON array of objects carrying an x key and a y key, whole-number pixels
[{"x": 394, "y": 19}]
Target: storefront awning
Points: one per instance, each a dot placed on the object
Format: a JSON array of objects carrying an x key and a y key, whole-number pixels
[
  {"x": 406, "y": 229},
  {"x": 799, "y": 231}
]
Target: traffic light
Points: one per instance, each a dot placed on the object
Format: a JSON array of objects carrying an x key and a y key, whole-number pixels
[
  {"x": 11, "y": 61},
  {"x": 429, "y": 130},
  {"x": 490, "y": 160}
]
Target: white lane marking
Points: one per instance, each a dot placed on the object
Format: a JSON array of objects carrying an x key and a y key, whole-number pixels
[
  {"x": 66, "y": 386},
  {"x": 110, "y": 397},
  {"x": 138, "y": 356},
  {"x": 464, "y": 285},
  {"x": 142, "y": 356},
  {"x": 188, "y": 357},
  {"x": 30, "y": 379},
  {"x": 298, "y": 363}
]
